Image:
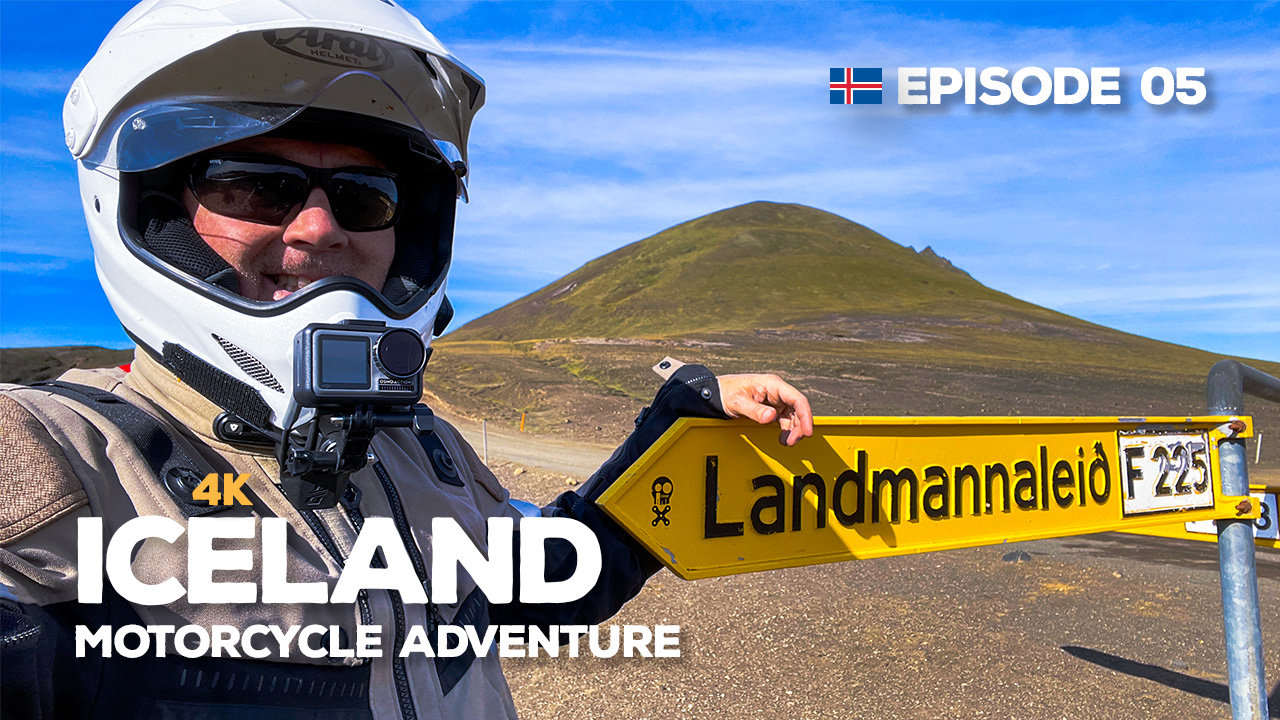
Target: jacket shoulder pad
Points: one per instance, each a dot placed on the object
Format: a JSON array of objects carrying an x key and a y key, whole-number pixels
[{"x": 36, "y": 480}]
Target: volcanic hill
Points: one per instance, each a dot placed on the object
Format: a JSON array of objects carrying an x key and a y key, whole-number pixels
[
  {"x": 762, "y": 265},
  {"x": 864, "y": 325}
]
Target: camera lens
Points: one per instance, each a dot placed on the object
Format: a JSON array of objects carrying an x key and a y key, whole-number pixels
[{"x": 400, "y": 352}]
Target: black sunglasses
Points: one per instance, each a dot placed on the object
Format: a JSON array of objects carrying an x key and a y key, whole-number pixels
[{"x": 265, "y": 189}]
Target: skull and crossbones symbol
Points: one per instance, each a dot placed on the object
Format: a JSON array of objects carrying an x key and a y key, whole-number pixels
[{"x": 662, "y": 489}]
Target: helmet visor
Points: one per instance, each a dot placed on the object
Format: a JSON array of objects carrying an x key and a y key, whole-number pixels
[
  {"x": 154, "y": 134},
  {"x": 254, "y": 82}
]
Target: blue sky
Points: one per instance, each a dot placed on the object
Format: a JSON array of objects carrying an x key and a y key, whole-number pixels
[{"x": 607, "y": 123}]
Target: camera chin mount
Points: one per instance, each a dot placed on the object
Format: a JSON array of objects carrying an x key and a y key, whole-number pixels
[
  {"x": 316, "y": 464},
  {"x": 358, "y": 376}
]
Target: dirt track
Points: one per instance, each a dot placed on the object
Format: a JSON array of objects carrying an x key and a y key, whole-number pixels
[
  {"x": 1107, "y": 626},
  {"x": 556, "y": 455}
]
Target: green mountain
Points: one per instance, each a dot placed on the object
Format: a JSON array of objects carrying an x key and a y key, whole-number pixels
[
  {"x": 865, "y": 326},
  {"x": 754, "y": 266}
]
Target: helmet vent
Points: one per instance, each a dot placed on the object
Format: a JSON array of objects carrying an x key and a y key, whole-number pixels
[{"x": 251, "y": 365}]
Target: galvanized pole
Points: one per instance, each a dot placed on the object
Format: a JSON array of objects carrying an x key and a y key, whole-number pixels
[{"x": 1246, "y": 672}]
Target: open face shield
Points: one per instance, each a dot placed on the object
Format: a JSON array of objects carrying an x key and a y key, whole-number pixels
[{"x": 155, "y": 133}]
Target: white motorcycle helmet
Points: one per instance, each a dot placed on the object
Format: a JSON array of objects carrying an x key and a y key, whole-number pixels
[{"x": 177, "y": 78}]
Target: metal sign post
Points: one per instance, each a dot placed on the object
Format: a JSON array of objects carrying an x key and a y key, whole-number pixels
[
  {"x": 1242, "y": 621},
  {"x": 718, "y": 498}
]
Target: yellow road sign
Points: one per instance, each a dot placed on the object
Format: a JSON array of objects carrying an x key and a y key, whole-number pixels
[
  {"x": 719, "y": 498},
  {"x": 1266, "y": 527}
]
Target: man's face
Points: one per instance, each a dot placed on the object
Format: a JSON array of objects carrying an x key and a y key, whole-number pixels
[{"x": 273, "y": 261}]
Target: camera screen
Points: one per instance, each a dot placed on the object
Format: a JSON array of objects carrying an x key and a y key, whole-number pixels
[{"x": 344, "y": 362}]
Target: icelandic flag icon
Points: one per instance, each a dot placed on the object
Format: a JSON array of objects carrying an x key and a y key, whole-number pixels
[{"x": 857, "y": 86}]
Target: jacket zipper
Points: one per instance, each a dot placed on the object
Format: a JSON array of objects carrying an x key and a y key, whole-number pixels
[
  {"x": 403, "y": 694},
  {"x": 357, "y": 521},
  {"x": 397, "y": 606},
  {"x": 406, "y": 538},
  {"x": 399, "y": 671}
]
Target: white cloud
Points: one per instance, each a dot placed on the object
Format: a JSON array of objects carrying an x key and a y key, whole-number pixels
[
  {"x": 33, "y": 267},
  {"x": 49, "y": 81}
]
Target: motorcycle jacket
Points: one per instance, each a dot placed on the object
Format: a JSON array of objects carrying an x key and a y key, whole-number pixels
[{"x": 70, "y": 453}]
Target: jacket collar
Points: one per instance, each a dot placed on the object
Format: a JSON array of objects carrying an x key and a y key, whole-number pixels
[{"x": 195, "y": 412}]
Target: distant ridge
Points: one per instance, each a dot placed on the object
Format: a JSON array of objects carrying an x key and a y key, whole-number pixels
[
  {"x": 928, "y": 254},
  {"x": 28, "y": 365}
]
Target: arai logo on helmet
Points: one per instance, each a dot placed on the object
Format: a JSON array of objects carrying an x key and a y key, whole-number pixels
[{"x": 332, "y": 48}]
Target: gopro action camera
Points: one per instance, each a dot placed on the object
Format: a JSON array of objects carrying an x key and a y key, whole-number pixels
[{"x": 357, "y": 362}]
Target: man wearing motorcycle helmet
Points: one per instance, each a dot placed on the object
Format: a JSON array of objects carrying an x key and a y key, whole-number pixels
[{"x": 250, "y": 170}]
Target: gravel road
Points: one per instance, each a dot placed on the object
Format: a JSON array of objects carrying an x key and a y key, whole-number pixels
[
  {"x": 555, "y": 455},
  {"x": 1105, "y": 626}
]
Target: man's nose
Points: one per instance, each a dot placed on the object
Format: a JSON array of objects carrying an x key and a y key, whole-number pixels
[{"x": 315, "y": 227}]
